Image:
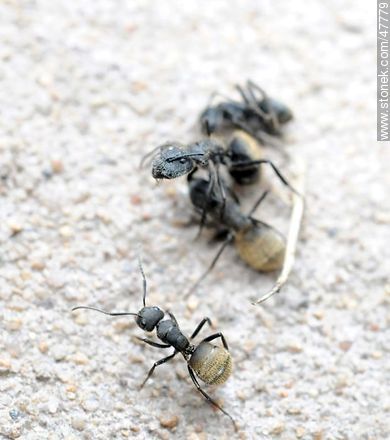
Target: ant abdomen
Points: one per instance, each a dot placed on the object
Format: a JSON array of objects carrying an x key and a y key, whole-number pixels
[
  {"x": 261, "y": 247},
  {"x": 243, "y": 148},
  {"x": 212, "y": 364}
]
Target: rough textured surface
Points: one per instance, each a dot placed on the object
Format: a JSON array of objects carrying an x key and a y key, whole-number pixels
[{"x": 86, "y": 88}]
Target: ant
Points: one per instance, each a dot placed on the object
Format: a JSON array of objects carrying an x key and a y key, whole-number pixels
[
  {"x": 256, "y": 113},
  {"x": 212, "y": 364},
  {"x": 258, "y": 244}
]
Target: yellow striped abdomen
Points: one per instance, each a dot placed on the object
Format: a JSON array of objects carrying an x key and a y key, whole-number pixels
[{"x": 212, "y": 364}]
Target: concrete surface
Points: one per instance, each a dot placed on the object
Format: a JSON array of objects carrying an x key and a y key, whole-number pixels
[{"x": 86, "y": 88}]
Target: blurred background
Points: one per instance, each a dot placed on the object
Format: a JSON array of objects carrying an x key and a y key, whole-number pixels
[{"x": 86, "y": 89}]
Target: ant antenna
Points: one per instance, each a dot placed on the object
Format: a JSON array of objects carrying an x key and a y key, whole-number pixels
[
  {"x": 104, "y": 312},
  {"x": 147, "y": 155},
  {"x": 143, "y": 280}
]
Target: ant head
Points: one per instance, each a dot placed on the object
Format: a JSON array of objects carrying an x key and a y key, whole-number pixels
[
  {"x": 148, "y": 317},
  {"x": 282, "y": 112},
  {"x": 171, "y": 162}
]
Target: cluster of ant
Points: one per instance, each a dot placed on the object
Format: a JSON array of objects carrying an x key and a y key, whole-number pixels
[
  {"x": 253, "y": 120},
  {"x": 243, "y": 126}
]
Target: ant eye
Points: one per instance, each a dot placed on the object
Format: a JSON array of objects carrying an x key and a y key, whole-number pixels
[
  {"x": 143, "y": 323},
  {"x": 183, "y": 160}
]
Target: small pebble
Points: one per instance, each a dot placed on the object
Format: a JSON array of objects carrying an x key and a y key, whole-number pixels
[
  {"x": 79, "y": 422},
  {"x": 277, "y": 429},
  {"x": 52, "y": 406},
  {"x": 377, "y": 355},
  {"x": 295, "y": 348},
  {"x": 345, "y": 345},
  {"x": 15, "y": 226},
  {"x": 66, "y": 231},
  {"x": 57, "y": 166},
  {"x": 71, "y": 388},
  {"x": 58, "y": 352},
  {"x": 135, "y": 199},
  {"x": 135, "y": 428},
  {"x": 241, "y": 395},
  {"x": 294, "y": 411},
  {"x": 90, "y": 405},
  {"x": 317, "y": 435},
  {"x": 170, "y": 422},
  {"x": 38, "y": 265},
  {"x": 196, "y": 436},
  {"x": 43, "y": 347},
  {"x": 192, "y": 303},
  {"x": 13, "y": 324},
  {"x": 78, "y": 358}
]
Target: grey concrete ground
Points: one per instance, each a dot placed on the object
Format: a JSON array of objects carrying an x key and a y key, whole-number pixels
[{"x": 86, "y": 88}]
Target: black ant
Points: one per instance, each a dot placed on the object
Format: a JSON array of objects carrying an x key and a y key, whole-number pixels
[
  {"x": 175, "y": 160},
  {"x": 256, "y": 113},
  {"x": 211, "y": 363},
  {"x": 258, "y": 244}
]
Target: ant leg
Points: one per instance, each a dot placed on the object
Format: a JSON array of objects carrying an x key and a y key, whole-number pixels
[
  {"x": 213, "y": 263},
  {"x": 152, "y": 343},
  {"x": 208, "y": 398},
  {"x": 269, "y": 115},
  {"x": 258, "y": 202},
  {"x": 259, "y": 135},
  {"x": 191, "y": 173},
  {"x": 172, "y": 316},
  {"x": 252, "y": 85},
  {"x": 221, "y": 95},
  {"x": 256, "y": 134},
  {"x": 207, "y": 199},
  {"x": 245, "y": 164},
  {"x": 215, "y": 336},
  {"x": 156, "y": 364},
  {"x": 234, "y": 196},
  {"x": 221, "y": 189},
  {"x": 250, "y": 99},
  {"x": 243, "y": 94},
  {"x": 200, "y": 326}
]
